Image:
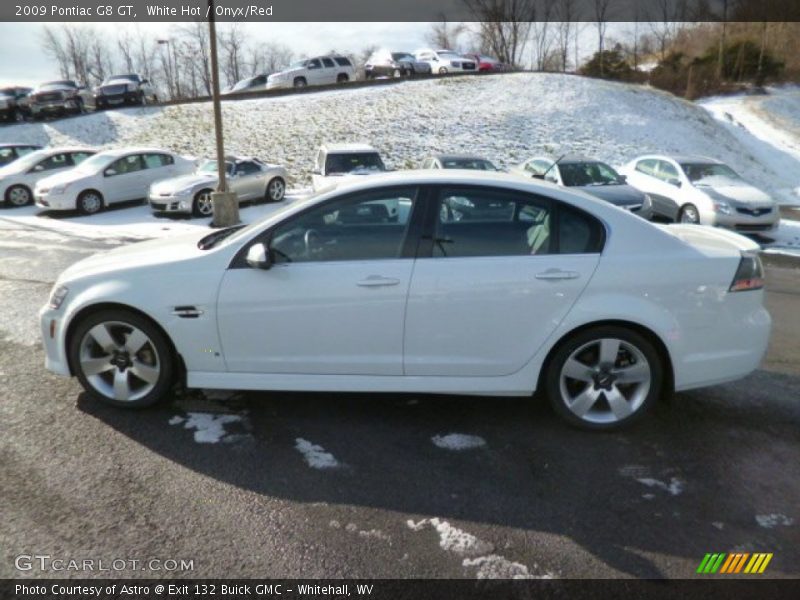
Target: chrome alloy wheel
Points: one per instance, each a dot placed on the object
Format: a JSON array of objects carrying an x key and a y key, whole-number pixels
[
  {"x": 689, "y": 214},
  {"x": 605, "y": 381},
  {"x": 276, "y": 189},
  {"x": 19, "y": 195},
  {"x": 205, "y": 206},
  {"x": 119, "y": 361}
]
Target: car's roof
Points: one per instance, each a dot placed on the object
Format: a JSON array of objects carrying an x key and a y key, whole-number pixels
[
  {"x": 328, "y": 148},
  {"x": 680, "y": 158},
  {"x": 19, "y": 145},
  {"x": 134, "y": 150},
  {"x": 58, "y": 149}
]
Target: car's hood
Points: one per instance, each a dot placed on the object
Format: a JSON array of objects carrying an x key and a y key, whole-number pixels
[
  {"x": 69, "y": 176},
  {"x": 184, "y": 181},
  {"x": 138, "y": 255},
  {"x": 620, "y": 195},
  {"x": 737, "y": 193},
  {"x": 285, "y": 72}
]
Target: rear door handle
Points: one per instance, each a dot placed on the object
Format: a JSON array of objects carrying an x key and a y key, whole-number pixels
[
  {"x": 378, "y": 281},
  {"x": 557, "y": 274}
]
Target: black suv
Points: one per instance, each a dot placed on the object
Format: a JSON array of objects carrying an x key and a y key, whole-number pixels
[{"x": 14, "y": 103}]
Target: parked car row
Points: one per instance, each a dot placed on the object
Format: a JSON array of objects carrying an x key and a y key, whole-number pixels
[{"x": 66, "y": 97}]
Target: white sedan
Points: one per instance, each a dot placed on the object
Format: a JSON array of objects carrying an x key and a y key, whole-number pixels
[
  {"x": 698, "y": 190},
  {"x": 483, "y": 284},
  {"x": 109, "y": 177},
  {"x": 251, "y": 179},
  {"x": 18, "y": 179}
]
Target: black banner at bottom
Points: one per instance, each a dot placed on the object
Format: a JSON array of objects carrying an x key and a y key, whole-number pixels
[{"x": 391, "y": 589}]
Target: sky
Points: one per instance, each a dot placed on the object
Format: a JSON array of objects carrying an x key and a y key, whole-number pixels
[{"x": 24, "y": 61}]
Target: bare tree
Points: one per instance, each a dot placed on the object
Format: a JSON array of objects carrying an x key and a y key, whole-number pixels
[
  {"x": 445, "y": 34},
  {"x": 125, "y": 47},
  {"x": 601, "y": 16},
  {"x": 505, "y": 26},
  {"x": 565, "y": 14},
  {"x": 54, "y": 48},
  {"x": 543, "y": 34},
  {"x": 232, "y": 42}
]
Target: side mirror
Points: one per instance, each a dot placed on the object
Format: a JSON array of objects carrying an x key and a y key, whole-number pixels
[
  {"x": 258, "y": 257},
  {"x": 674, "y": 181},
  {"x": 109, "y": 172},
  {"x": 538, "y": 176}
]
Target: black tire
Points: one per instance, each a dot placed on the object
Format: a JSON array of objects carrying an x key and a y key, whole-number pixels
[
  {"x": 442, "y": 70},
  {"x": 90, "y": 202},
  {"x": 201, "y": 208},
  {"x": 342, "y": 78},
  {"x": 157, "y": 352},
  {"x": 559, "y": 387},
  {"x": 79, "y": 108},
  {"x": 300, "y": 82},
  {"x": 18, "y": 195},
  {"x": 142, "y": 99},
  {"x": 276, "y": 190},
  {"x": 689, "y": 214}
]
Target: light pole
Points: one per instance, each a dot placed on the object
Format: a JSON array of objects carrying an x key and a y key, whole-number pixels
[
  {"x": 226, "y": 206},
  {"x": 170, "y": 82}
]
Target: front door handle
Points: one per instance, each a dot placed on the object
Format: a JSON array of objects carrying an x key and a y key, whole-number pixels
[
  {"x": 378, "y": 281},
  {"x": 557, "y": 274}
]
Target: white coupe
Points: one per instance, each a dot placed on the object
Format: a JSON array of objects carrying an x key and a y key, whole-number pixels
[
  {"x": 109, "y": 177},
  {"x": 422, "y": 281},
  {"x": 18, "y": 179}
]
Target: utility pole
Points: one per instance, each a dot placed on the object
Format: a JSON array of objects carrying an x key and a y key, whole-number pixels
[{"x": 225, "y": 203}]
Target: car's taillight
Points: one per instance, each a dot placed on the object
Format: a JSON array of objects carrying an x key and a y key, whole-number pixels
[{"x": 749, "y": 275}]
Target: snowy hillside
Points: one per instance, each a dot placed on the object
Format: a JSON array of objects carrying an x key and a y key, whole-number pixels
[{"x": 506, "y": 118}]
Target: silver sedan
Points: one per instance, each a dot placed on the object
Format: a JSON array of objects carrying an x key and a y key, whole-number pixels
[{"x": 251, "y": 179}]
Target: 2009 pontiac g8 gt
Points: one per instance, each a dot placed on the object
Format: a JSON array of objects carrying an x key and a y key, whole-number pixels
[{"x": 449, "y": 282}]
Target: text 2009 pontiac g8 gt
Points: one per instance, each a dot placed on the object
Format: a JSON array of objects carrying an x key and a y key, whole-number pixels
[{"x": 445, "y": 282}]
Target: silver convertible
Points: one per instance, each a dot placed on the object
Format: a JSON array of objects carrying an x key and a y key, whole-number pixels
[{"x": 251, "y": 179}]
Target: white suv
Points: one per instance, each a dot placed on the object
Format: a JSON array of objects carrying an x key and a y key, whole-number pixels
[
  {"x": 339, "y": 163},
  {"x": 320, "y": 70},
  {"x": 446, "y": 61}
]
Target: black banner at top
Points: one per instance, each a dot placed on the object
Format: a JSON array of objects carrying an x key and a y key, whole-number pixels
[{"x": 399, "y": 10}]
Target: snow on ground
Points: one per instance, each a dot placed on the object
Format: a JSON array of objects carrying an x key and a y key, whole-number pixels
[
  {"x": 787, "y": 238},
  {"x": 674, "y": 487},
  {"x": 768, "y": 127},
  {"x": 773, "y": 520},
  {"x": 458, "y": 441},
  {"x": 209, "y": 428},
  {"x": 506, "y": 118},
  {"x": 315, "y": 455}
]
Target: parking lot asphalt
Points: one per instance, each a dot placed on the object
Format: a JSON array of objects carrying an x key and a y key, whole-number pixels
[{"x": 344, "y": 485}]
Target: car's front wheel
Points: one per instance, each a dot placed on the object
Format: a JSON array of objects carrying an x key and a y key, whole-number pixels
[
  {"x": 90, "y": 202},
  {"x": 689, "y": 214},
  {"x": 121, "y": 358},
  {"x": 18, "y": 195},
  {"x": 604, "y": 378},
  {"x": 202, "y": 206},
  {"x": 442, "y": 70},
  {"x": 276, "y": 190},
  {"x": 300, "y": 82}
]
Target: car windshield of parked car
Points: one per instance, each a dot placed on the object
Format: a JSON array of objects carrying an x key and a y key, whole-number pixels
[
  {"x": 54, "y": 86},
  {"x": 706, "y": 173},
  {"x": 477, "y": 164},
  {"x": 30, "y": 159},
  {"x": 242, "y": 85},
  {"x": 211, "y": 167},
  {"x": 398, "y": 56},
  {"x": 449, "y": 55},
  {"x": 7, "y": 93},
  {"x": 338, "y": 164},
  {"x": 588, "y": 173},
  {"x": 298, "y": 64},
  {"x": 116, "y": 78}
]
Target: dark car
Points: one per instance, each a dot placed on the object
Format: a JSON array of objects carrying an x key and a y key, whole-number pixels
[
  {"x": 127, "y": 89},
  {"x": 11, "y": 152},
  {"x": 59, "y": 98},
  {"x": 14, "y": 103},
  {"x": 383, "y": 63},
  {"x": 591, "y": 176},
  {"x": 458, "y": 161}
]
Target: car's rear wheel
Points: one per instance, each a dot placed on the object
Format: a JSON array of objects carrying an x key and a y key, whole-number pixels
[
  {"x": 604, "y": 378},
  {"x": 342, "y": 78},
  {"x": 689, "y": 214},
  {"x": 442, "y": 71},
  {"x": 121, "y": 358},
  {"x": 90, "y": 202},
  {"x": 202, "y": 206},
  {"x": 276, "y": 190},
  {"x": 300, "y": 82},
  {"x": 18, "y": 195}
]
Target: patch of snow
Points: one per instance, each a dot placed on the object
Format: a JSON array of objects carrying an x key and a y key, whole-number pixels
[
  {"x": 316, "y": 456},
  {"x": 773, "y": 520},
  {"x": 719, "y": 525},
  {"x": 458, "y": 441},
  {"x": 375, "y": 534},
  {"x": 494, "y": 566},
  {"x": 674, "y": 487},
  {"x": 453, "y": 539},
  {"x": 176, "y": 420},
  {"x": 209, "y": 428},
  {"x": 786, "y": 238}
]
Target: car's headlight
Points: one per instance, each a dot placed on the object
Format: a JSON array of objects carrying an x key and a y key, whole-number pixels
[
  {"x": 723, "y": 207},
  {"x": 59, "y": 189},
  {"x": 57, "y": 296}
]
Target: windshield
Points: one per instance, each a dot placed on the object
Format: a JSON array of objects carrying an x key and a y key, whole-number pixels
[
  {"x": 30, "y": 159},
  {"x": 211, "y": 167},
  {"x": 697, "y": 172},
  {"x": 355, "y": 161},
  {"x": 478, "y": 164},
  {"x": 244, "y": 84},
  {"x": 449, "y": 55},
  {"x": 118, "y": 82},
  {"x": 588, "y": 173},
  {"x": 49, "y": 87},
  {"x": 95, "y": 163},
  {"x": 402, "y": 56},
  {"x": 298, "y": 64},
  {"x": 121, "y": 79}
]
